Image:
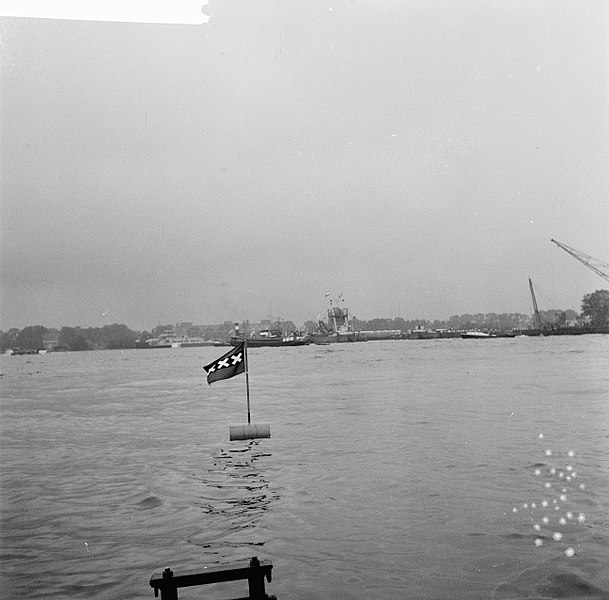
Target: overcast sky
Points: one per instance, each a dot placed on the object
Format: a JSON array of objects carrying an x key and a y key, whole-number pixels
[{"x": 415, "y": 155}]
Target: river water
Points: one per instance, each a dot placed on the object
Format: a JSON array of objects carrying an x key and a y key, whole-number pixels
[{"x": 440, "y": 469}]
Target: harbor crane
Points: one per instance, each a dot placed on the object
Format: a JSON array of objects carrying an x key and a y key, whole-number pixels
[
  {"x": 598, "y": 266},
  {"x": 536, "y": 316}
]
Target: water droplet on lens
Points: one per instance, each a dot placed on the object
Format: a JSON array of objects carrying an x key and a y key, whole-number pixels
[
  {"x": 544, "y": 503},
  {"x": 538, "y": 472},
  {"x": 539, "y": 542},
  {"x": 552, "y": 470},
  {"x": 569, "y": 552},
  {"x": 562, "y": 521},
  {"x": 545, "y": 520},
  {"x": 563, "y": 498},
  {"x": 537, "y": 527},
  {"x": 569, "y": 515},
  {"x": 581, "y": 517},
  {"x": 557, "y": 536},
  {"x": 569, "y": 468}
]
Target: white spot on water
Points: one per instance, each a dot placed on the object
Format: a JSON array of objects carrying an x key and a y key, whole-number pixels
[
  {"x": 569, "y": 552},
  {"x": 557, "y": 536},
  {"x": 539, "y": 542}
]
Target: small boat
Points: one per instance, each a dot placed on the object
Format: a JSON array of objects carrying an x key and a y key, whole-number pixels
[
  {"x": 476, "y": 335},
  {"x": 195, "y": 342},
  {"x": 421, "y": 333}
]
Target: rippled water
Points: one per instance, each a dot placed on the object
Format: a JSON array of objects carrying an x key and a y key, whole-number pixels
[{"x": 395, "y": 469}]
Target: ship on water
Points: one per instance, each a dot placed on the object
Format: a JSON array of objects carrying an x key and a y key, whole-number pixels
[
  {"x": 338, "y": 327},
  {"x": 272, "y": 337}
]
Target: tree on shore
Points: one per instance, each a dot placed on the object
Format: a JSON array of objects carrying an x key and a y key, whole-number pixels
[{"x": 596, "y": 307}]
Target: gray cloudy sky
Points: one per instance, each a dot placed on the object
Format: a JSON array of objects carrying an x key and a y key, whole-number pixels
[{"x": 416, "y": 156}]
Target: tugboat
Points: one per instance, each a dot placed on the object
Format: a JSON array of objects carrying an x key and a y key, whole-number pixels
[
  {"x": 338, "y": 328},
  {"x": 476, "y": 335}
]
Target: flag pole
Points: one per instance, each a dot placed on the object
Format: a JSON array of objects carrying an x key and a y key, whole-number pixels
[
  {"x": 247, "y": 381},
  {"x": 251, "y": 430}
]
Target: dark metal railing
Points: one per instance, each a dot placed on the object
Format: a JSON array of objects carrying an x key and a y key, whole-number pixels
[{"x": 255, "y": 573}]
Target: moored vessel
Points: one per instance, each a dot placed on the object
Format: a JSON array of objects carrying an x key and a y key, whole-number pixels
[
  {"x": 271, "y": 337},
  {"x": 338, "y": 328}
]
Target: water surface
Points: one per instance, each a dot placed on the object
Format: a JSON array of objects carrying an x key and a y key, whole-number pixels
[{"x": 395, "y": 469}]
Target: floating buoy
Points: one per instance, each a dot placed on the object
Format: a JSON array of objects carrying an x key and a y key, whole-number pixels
[
  {"x": 249, "y": 431},
  {"x": 228, "y": 365}
]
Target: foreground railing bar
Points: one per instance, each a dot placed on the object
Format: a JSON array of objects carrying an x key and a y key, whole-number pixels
[{"x": 255, "y": 573}]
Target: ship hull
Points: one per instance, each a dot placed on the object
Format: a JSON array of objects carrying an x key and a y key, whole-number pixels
[{"x": 269, "y": 343}]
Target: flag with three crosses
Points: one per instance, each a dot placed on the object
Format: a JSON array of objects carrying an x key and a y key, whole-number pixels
[{"x": 228, "y": 365}]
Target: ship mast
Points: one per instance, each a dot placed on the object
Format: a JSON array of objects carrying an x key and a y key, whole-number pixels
[{"x": 598, "y": 266}]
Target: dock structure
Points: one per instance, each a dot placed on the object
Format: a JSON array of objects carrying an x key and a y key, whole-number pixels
[{"x": 255, "y": 573}]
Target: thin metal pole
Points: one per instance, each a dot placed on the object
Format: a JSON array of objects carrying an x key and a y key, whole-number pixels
[{"x": 247, "y": 381}]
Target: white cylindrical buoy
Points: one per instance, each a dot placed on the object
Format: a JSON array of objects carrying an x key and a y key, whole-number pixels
[{"x": 250, "y": 431}]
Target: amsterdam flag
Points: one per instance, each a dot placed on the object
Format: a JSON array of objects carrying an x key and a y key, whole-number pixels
[{"x": 230, "y": 364}]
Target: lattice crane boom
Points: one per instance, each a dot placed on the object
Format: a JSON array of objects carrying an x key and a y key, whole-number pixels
[{"x": 598, "y": 266}]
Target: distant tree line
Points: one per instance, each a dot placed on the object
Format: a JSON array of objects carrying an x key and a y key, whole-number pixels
[
  {"x": 68, "y": 338},
  {"x": 488, "y": 321},
  {"x": 595, "y": 310}
]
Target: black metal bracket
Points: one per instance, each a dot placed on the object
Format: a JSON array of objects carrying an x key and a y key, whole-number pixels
[{"x": 255, "y": 573}]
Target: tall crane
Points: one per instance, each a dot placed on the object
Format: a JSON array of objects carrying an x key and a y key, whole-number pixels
[
  {"x": 536, "y": 316},
  {"x": 598, "y": 266}
]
